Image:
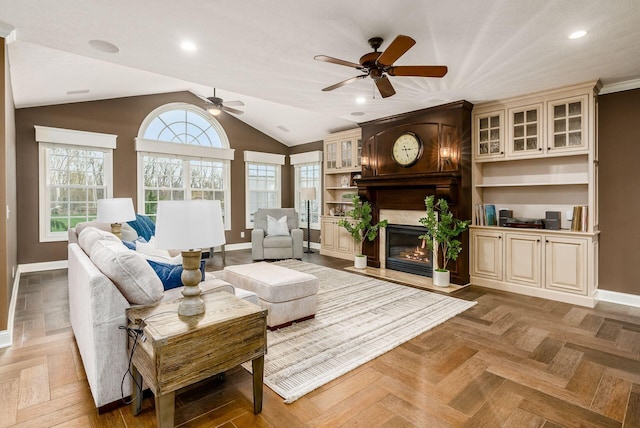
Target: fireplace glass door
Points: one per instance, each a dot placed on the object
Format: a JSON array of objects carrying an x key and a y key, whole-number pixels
[{"x": 405, "y": 252}]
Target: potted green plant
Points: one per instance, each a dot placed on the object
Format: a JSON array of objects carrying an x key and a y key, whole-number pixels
[
  {"x": 442, "y": 230},
  {"x": 359, "y": 226}
]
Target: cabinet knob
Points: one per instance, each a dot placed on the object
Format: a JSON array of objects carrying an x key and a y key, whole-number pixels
[
  {"x": 538, "y": 240},
  {"x": 501, "y": 153},
  {"x": 499, "y": 237},
  {"x": 540, "y": 148},
  {"x": 546, "y": 241}
]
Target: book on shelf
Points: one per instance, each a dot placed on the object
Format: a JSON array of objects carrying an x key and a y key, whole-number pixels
[
  {"x": 486, "y": 215},
  {"x": 579, "y": 222}
]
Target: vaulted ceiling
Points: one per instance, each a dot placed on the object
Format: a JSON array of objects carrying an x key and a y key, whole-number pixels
[{"x": 262, "y": 52}]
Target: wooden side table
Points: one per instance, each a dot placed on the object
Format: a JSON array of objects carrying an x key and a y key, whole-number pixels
[{"x": 179, "y": 351}]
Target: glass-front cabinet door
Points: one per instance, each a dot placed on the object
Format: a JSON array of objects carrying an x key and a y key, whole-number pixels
[
  {"x": 359, "y": 153},
  {"x": 330, "y": 156},
  {"x": 567, "y": 124},
  {"x": 346, "y": 153},
  {"x": 490, "y": 135},
  {"x": 525, "y": 131}
]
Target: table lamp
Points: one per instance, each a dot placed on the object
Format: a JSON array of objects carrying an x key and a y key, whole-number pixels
[
  {"x": 308, "y": 194},
  {"x": 189, "y": 226},
  {"x": 115, "y": 211}
]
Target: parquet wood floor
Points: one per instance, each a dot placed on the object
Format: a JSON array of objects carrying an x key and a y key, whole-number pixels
[{"x": 510, "y": 361}]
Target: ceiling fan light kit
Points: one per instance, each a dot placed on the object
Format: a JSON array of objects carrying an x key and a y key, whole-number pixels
[
  {"x": 215, "y": 105},
  {"x": 379, "y": 65}
]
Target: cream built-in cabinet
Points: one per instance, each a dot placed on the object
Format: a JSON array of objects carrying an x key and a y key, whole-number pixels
[
  {"x": 336, "y": 241},
  {"x": 342, "y": 166},
  {"x": 567, "y": 261},
  {"x": 486, "y": 249},
  {"x": 534, "y": 154},
  {"x": 525, "y": 133},
  {"x": 524, "y": 258},
  {"x": 489, "y": 135}
]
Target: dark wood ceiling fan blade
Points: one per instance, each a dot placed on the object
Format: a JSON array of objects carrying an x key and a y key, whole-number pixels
[
  {"x": 418, "y": 70},
  {"x": 396, "y": 49},
  {"x": 234, "y": 103},
  {"x": 385, "y": 87},
  {"x": 344, "y": 82},
  {"x": 231, "y": 110},
  {"x": 332, "y": 60}
]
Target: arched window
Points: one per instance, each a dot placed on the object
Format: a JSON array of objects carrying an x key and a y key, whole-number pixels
[
  {"x": 183, "y": 124},
  {"x": 183, "y": 153}
]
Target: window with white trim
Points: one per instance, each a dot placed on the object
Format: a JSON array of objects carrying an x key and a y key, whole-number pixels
[
  {"x": 307, "y": 170},
  {"x": 75, "y": 170},
  {"x": 263, "y": 186},
  {"x": 183, "y": 154}
]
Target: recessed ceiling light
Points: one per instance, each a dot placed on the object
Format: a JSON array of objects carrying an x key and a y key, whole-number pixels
[
  {"x": 361, "y": 100},
  {"x": 577, "y": 34},
  {"x": 357, "y": 113},
  {"x": 103, "y": 46},
  {"x": 188, "y": 46}
]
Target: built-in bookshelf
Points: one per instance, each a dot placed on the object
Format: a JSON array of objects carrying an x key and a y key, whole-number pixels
[
  {"x": 342, "y": 169},
  {"x": 532, "y": 155}
]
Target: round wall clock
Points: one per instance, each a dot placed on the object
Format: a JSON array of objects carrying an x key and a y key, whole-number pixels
[{"x": 407, "y": 149}]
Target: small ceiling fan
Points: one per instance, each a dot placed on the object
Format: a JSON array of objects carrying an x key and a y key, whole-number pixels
[
  {"x": 378, "y": 65},
  {"x": 215, "y": 105}
]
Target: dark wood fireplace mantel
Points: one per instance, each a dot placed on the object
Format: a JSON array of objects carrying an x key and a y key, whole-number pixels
[
  {"x": 389, "y": 186},
  {"x": 443, "y": 185}
]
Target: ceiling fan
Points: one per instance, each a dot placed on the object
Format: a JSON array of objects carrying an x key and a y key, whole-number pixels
[
  {"x": 378, "y": 65},
  {"x": 215, "y": 105}
]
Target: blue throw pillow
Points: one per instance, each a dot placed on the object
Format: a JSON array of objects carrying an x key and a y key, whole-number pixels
[
  {"x": 132, "y": 244},
  {"x": 144, "y": 226},
  {"x": 170, "y": 274}
]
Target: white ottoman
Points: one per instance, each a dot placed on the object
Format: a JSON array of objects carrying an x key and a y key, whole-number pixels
[
  {"x": 247, "y": 295},
  {"x": 287, "y": 294}
]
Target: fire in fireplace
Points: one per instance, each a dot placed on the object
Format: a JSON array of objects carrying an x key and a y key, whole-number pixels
[{"x": 405, "y": 252}]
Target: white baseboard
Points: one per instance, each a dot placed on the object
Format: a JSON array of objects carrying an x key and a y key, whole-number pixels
[
  {"x": 314, "y": 245},
  {"x": 247, "y": 246},
  {"x": 619, "y": 298},
  {"x": 5, "y": 339},
  {"x": 6, "y": 336},
  {"x": 240, "y": 246},
  {"x": 43, "y": 266}
]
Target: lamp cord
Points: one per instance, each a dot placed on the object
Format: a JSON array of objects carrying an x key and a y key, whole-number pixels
[{"x": 135, "y": 334}]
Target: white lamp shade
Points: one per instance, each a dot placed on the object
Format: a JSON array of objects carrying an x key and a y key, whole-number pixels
[
  {"x": 185, "y": 225},
  {"x": 115, "y": 210},
  {"x": 308, "y": 193}
]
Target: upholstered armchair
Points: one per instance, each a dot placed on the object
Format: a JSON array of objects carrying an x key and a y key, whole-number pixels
[{"x": 276, "y": 234}]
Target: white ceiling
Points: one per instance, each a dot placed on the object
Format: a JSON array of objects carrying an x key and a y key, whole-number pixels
[{"x": 261, "y": 52}]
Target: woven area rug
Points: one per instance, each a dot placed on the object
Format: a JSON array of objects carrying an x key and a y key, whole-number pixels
[{"x": 358, "y": 318}]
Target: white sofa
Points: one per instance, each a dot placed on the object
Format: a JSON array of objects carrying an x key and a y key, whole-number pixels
[{"x": 97, "y": 310}]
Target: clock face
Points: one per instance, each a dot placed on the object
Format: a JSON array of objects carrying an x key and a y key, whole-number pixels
[{"x": 407, "y": 149}]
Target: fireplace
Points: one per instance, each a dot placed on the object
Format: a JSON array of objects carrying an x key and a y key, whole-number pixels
[{"x": 405, "y": 252}]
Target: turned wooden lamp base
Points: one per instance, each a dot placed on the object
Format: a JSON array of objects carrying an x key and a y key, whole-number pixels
[{"x": 192, "y": 303}]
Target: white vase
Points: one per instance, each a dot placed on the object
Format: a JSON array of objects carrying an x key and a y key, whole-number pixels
[
  {"x": 360, "y": 262},
  {"x": 441, "y": 279}
]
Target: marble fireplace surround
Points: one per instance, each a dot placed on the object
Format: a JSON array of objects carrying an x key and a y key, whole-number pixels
[{"x": 402, "y": 217}]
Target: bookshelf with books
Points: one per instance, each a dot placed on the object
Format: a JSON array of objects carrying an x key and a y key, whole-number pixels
[
  {"x": 342, "y": 169},
  {"x": 555, "y": 172}
]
